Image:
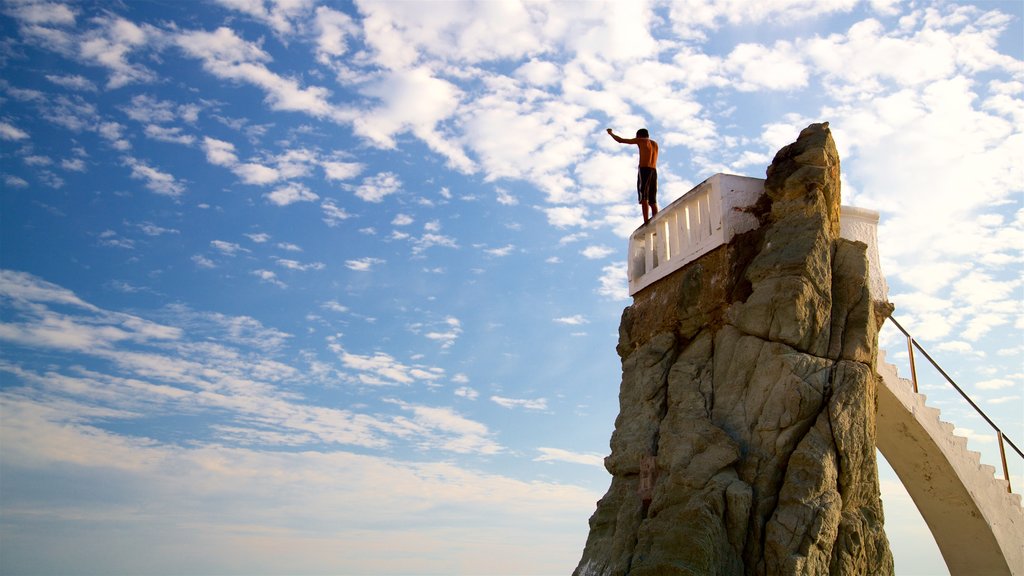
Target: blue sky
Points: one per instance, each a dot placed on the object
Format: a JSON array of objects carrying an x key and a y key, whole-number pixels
[{"x": 293, "y": 286}]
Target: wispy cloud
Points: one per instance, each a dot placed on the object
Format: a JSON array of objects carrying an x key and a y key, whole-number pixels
[
  {"x": 527, "y": 404},
  {"x": 560, "y": 455},
  {"x": 225, "y": 55},
  {"x": 270, "y": 277},
  {"x": 228, "y": 248},
  {"x": 334, "y": 306},
  {"x": 500, "y": 252},
  {"x": 155, "y": 180},
  {"x": 382, "y": 369},
  {"x": 448, "y": 334},
  {"x": 173, "y": 134},
  {"x": 363, "y": 264},
  {"x": 467, "y": 393},
  {"x": 333, "y": 215},
  {"x": 574, "y": 320},
  {"x": 12, "y": 133},
  {"x": 300, "y": 266}
]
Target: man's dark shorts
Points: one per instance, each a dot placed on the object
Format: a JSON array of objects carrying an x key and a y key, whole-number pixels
[{"x": 647, "y": 186}]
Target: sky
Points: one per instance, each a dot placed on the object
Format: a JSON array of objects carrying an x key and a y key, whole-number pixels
[{"x": 309, "y": 287}]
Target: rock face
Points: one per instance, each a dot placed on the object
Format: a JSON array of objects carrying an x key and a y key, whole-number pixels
[{"x": 745, "y": 441}]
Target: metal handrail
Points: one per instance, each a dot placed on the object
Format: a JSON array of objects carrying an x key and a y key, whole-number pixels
[{"x": 911, "y": 344}]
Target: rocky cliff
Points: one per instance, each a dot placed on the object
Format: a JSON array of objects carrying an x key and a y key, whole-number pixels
[{"x": 745, "y": 441}]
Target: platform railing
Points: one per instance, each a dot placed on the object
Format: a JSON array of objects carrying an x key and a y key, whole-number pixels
[
  {"x": 681, "y": 232},
  {"x": 1000, "y": 437}
]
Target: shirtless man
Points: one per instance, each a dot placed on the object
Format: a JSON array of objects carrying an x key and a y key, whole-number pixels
[{"x": 647, "y": 177}]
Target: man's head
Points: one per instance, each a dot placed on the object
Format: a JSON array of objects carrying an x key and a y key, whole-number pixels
[{"x": 642, "y": 133}]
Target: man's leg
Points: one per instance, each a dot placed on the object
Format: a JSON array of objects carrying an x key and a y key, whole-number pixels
[
  {"x": 646, "y": 209},
  {"x": 654, "y": 209}
]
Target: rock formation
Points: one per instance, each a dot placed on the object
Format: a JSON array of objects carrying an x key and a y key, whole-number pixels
[{"x": 745, "y": 441}]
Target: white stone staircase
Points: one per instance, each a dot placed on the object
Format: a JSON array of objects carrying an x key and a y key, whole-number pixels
[{"x": 977, "y": 524}]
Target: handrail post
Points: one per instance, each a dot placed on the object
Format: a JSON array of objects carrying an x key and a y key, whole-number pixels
[
  {"x": 913, "y": 369},
  {"x": 1002, "y": 454}
]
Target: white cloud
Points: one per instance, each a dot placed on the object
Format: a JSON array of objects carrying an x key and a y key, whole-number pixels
[
  {"x": 505, "y": 198},
  {"x": 333, "y": 29},
  {"x": 24, "y": 288},
  {"x": 219, "y": 152},
  {"x": 150, "y": 229},
  {"x": 1002, "y": 399},
  {"x": 448, "y": 335},
  {"x": 42, "y": 13},
  {"x": 291, "y": 193},
  {"x": 757, "y": 67},
  {"x": 160, "y": 182},
  {"x": 113, "y": 133},
  {"x": 995, "y": 384},
  {"x": 279, "y": 16},
  {"x": 110, "y": 44},
  {"x": 414, "y": 101},
  {"x": 9, "y": 132},
  {"x": 539, "y": 73},
  {"x": 258, "y": 237},
  {"x": 885, "y": 7},
  {"x": 110, "y": 238},
  {"x": 269, "y": 277},
  {"x": 467, "y": 393},
  {"x": 500, "y": 252},
  {"x": 613, "y": 282},
  {"x": 608, "y": 178},
  {"x": 363, "y": 264},
  {"x": 36, "y": 160},
  {"x": 526, "y": 404},
  {"x": 336, "y": 493},
  {"x": 574, "y": 320},
  {"x": 334, "y": 306},
  {"x": 597, "y": 252},
  {"x": 691, "y": 17},
  {"x": 376, "y": 188},
  {"x": 333, "y": 214},
  {"x": 429, "y": 240},
  {"x": 227, "y": 248},
  {"x": 151, "y": 110},
  {"x": 451, "y": 431},
  {"x": 558, "y": 131},
  {"x": 300, "y": 266},
  {"x": 560, "y": 455},
  {"x": 335, "y": 170},
  {"x": 383, "y": 369},
  {"x": 203, "y": 262},
  {"x": 255, "y": 173},
  {"x": 12, "y": 181},
  {"x": 227, "y": 56},
  {"x": 402, "y": 220},
  {"x": 565, "y": 216},
  {"x": 173, "y": 135},
  {"x": 472, "y": 31},
  {"x": 73, "y": 164},
  {"x": 984, "y": 437}
]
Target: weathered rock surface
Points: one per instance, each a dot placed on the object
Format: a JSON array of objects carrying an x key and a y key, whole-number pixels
[{"x": 748, "y": 380}]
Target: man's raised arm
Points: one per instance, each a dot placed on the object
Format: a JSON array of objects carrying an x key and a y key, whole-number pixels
[{"x": 620, "y": 139}]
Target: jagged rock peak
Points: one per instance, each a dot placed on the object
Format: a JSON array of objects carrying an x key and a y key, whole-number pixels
[{"x": 745, "y": 438}]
